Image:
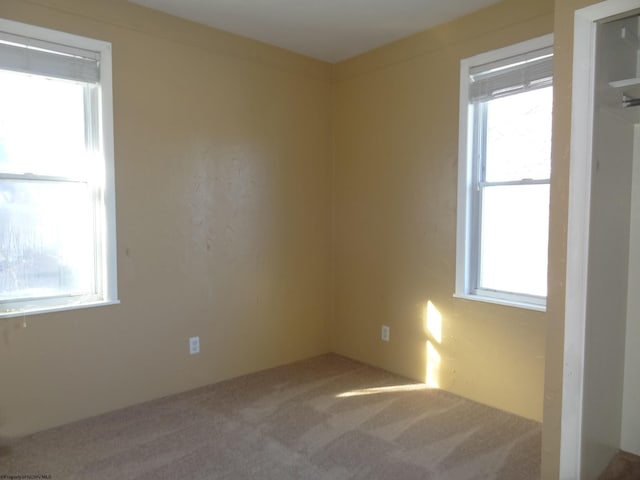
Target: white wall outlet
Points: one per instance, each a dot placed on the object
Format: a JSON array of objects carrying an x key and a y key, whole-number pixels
[
  {"x": 194, "y": 345},
  {"x": 385, "y": 332}
]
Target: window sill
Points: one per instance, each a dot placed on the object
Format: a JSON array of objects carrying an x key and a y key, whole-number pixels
[
  {"x": 58, "y": 308},
  {"x": 501, "y": 301}
]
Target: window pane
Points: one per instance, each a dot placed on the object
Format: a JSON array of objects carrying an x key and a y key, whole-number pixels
[
  {"x": 41, "y": 126},
  {"x": 46, "y": 239},
  {"x": 514, "y": 236},
  {"x": 519, "y": 136}
]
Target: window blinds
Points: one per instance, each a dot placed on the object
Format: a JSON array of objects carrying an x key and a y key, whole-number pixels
[
  {"x": 511, "y": 75},
  {"x": 29, "y": 55}
]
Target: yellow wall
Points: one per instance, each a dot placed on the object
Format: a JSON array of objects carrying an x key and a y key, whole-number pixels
[
  {"x": 222, "y": 150},
  {"x": 395, "y": 181},
  {"x": 279, "y": 208}
]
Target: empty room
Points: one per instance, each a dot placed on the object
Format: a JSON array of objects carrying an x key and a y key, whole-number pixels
[{"x": 319, "y": 239}]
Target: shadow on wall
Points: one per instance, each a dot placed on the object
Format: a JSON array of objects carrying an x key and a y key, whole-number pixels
[{"x": 5, "y": 448}]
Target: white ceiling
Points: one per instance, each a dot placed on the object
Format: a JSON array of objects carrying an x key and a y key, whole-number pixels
[{"x": 330, "y": 30}]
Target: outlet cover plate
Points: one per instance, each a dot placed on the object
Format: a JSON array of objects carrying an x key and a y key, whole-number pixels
[
  {"x": 194, "y": 345},
  {"x": 385, "y": 333}
]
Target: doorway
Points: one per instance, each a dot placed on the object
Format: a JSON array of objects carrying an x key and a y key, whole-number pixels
[{"x": 603, "y": 260}]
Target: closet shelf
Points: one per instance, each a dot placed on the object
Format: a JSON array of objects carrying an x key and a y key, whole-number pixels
[
  {"x": 626, "y": 83},
  {"x": 622, "y": 102}
]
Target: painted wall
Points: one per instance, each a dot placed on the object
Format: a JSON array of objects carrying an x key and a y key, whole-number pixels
[
  {"x": 630, "y": 437},
  {"x": 396, "y": 156},
  {"x": 608, "y": 261},
  {"x": 223, "y": 181}
]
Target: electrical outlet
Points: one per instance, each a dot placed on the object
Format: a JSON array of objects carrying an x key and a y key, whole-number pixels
[
  {"x": 385, "y": 333},
  {"x": 194, "y": 345}
]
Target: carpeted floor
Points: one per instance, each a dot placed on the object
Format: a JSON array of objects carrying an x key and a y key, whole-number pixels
[
  {"x": 323, "y": 418},
  {"x": 624, "y": 466}
]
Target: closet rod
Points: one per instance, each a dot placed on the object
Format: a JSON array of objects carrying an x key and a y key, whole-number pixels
[{"x": 628, "y": 101}]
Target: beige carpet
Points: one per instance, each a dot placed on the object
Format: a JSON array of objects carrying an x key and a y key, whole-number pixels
[
  {"x": 624, "y": 466},
  {"x": 323, "y": 418}
]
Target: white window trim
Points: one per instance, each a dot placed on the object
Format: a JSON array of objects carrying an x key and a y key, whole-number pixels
[
  {"x": 106, "y": 218},
  {"x": 465, "y": 216}
]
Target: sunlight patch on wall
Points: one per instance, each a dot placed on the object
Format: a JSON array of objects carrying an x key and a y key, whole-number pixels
[
  {"x": 433, "y": 322},
  {"x": 433, "y": 327},
  {"x": 433, "y": 366}
]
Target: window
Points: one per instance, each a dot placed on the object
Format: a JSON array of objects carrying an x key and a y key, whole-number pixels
[
  {"x": 57, "y": 206},
  {"x": 504, "y": 170}
]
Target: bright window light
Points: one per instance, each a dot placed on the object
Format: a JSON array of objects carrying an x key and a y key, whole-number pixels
[
  {"x": 57, "y": 235},
  {"x": 504, "y": 175}
]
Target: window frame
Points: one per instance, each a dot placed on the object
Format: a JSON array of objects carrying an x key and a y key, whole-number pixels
[
  {"x": 100, "y": 117},
  {"x": 472, "y": 143}
]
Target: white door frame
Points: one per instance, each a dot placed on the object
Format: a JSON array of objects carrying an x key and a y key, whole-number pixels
[{"x": 582, "y": 107}]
